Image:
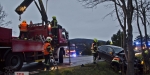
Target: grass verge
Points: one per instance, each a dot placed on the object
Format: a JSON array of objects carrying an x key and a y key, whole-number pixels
[{"x": 102, "y": 68}]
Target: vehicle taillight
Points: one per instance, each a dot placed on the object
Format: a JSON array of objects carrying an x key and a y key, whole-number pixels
[{"x": 49, "y": 26}]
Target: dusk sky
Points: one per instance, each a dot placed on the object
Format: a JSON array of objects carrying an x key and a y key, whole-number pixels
[{"x": 78, "y": 21}]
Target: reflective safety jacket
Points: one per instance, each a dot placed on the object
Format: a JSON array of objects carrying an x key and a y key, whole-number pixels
[
  {"x": 47, "y": 48},
  {"x": 54, "y": 23},
  {"x": 116, "y": 59},
  {"x": 23, "y": 26},
  {"x": 94, "y": 47}
]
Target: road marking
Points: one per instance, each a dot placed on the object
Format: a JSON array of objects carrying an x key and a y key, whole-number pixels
[{"x": 39, "y": 60}]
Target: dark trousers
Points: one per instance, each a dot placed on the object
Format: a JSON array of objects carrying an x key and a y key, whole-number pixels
[
  {"x": 116, "y": 64},
  {"x": 47, "y": 61},
  {"x": 95, "y": 56},
  {"x": 54, "y": 31},
  {"x": 23, "y": 33}
]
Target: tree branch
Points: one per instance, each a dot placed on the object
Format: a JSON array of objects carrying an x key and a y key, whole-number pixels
[
  {"x": 111, "y": 14},
  {"x": 3, "y": 15},
  {"x": 118, "y": 15}
]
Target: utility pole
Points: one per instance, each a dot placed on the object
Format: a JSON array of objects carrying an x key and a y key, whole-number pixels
[
  {"x": 121, "y": 39},
  {"x": 69, "y": 52}
]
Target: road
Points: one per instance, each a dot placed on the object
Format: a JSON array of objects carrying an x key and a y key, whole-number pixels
[
  {"x": 34, "y": 68},
  {"x": 79, "y": 60},
  {"x": 75, "y": 61}
]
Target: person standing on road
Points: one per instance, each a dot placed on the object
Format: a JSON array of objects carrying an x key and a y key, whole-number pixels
[
  {"x": 94, "y": 50},
  {"x": 47, "y": 50}
]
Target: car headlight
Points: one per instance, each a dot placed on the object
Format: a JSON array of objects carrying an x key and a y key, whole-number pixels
[
  {"x": 136, "y": 48},
  {"x": 142, "y": 62}
]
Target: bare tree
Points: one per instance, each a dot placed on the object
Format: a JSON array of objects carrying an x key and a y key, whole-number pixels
[
  {"x": 3, "y": 15},
  {"x": 124, "y": 11},
  {"x": 143, "y": 8},
  {"x": 138, "y": 24}
]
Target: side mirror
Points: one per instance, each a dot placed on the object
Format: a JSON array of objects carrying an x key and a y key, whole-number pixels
[
  {"x": 67, "y": 35},
  {"x": 64, "y": 36}
]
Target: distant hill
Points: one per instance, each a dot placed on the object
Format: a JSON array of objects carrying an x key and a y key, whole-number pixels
[{"x": 83, "y": 40}]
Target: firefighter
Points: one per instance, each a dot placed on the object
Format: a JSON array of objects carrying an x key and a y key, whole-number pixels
[
  {"x": 23, "y": 29},
  {"x": 94, "y": 50},
  {"x": 47, "y": 51},
  {"x": 116, "y": 62},
  {"x": 54, "y": 26}
]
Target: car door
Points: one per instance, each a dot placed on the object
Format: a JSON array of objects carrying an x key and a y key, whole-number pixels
[
  {"x": 102, "y": 52},
  {"x": 109, "y": 55}
]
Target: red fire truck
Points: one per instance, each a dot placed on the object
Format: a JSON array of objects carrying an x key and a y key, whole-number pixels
[{"x": 14, "y": 52}]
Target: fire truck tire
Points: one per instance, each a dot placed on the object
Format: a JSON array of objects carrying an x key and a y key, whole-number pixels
[
  {"x": 61, "y": 55},
  {"x": 15, "y": 60},
  {"x": 2, "y": 66}
]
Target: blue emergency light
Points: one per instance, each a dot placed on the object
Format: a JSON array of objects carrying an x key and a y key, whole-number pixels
[
  {"x": 74, "y": 55},
  {"x": 137, "y": 43}
]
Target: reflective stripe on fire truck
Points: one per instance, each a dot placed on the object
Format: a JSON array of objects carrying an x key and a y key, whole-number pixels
[
  {"x": 39, "y": 60},
  {"x": 5, "y": 47}
]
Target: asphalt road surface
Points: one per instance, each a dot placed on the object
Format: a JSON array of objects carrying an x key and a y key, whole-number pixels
[
  {"x": 33, "y": 68},
  {"x": 75, "y": 61}
]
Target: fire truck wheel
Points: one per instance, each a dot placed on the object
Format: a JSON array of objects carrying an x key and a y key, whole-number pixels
[
  {"x": 2, "y": 66},
  {"x": 61, "y": 55},
  {"x": 15, "y": 60}
]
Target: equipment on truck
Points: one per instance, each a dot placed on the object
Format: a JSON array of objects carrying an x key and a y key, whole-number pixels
[{"x": 13, "y": 51}]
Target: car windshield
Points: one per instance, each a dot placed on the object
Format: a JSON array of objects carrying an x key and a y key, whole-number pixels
[{"x": 117, "y": 50}]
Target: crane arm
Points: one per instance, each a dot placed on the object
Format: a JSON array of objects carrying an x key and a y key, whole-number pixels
[
  {"x": 23, "y": 6},
  {"x": 43, "y": 12}
]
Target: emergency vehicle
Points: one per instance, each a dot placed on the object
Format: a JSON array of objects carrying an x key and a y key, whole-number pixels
[
  {"x": 14, "y": 52},
  {"x": 72, "y": 51}
]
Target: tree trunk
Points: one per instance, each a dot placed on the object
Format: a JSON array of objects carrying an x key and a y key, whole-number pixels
[
  {"x": 138, "y": 25},
  {"x": 125, "y": 47},
  {"x": 130, "y": 60},
  {"x": 130, "y": 66},
  {"x": 146, "y": 37}
]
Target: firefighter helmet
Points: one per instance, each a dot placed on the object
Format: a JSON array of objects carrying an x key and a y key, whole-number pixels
[
  {"x": 24, "y": 21},
  {"x": 48, "y": 39},
  {"x": 54, "y": 17},
  {"x": 95, "y": 40}
]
